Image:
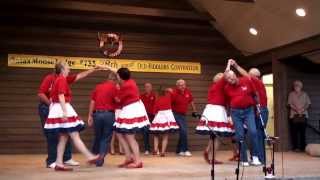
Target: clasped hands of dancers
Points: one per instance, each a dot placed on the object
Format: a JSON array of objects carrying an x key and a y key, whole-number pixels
[{"x": 116, "y": 105}]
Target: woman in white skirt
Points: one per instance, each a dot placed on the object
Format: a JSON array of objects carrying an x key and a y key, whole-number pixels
[
  {"x": 64, "y": 120},
  {"x": 131, "y": 120},
  {"x": 163, "y": 122},
  {"x": 214, "y": 117}
]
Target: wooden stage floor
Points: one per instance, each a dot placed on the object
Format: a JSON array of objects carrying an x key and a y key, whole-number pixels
[{"x": 172, "y": 167}]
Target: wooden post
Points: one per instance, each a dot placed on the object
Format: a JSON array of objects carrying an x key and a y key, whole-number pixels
[{"x": 280, "y": 86}]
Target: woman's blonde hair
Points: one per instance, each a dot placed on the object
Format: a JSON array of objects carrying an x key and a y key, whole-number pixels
[{"x": 59, "y": 66}]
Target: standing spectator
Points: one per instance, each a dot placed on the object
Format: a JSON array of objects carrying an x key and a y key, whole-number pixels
[
  {"x": 148, "y": 98},
  {"x": 299, "y": 103},
  {"x": 181, "y": 98}
]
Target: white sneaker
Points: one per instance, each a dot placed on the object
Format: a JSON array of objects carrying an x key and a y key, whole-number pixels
[
  {"x": 146, "y": 153},
  {"x": 245, "y": 164},
  {"x": 52, "y": 165},
  {"x": 187, "y": 153},
  {"x": 255, "y": 161},
  {"x": 72, "y": 162},
  {"x": 181, "y": 154}
]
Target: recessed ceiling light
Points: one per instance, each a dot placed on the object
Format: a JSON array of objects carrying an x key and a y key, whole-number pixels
[
  {"x": 253, "y": 31},
  {"x": 301, "y": 12}
]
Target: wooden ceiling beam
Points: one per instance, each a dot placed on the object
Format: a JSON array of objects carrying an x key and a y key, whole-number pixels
[
  {"x": 108, "y": 8},
  {"x": 245, "y": 1},
  {"x": 296, "y": 48}
]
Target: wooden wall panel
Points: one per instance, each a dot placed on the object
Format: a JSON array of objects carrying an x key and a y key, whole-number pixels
[{"x": 50, "y": 31}]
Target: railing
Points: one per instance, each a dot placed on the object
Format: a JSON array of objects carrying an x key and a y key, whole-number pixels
[{"x": 315, "y": 130}]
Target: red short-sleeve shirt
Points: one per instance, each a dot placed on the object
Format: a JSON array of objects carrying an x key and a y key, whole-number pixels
[
  {"x": 104, "y": 96},
  {"x": 162, "y": 103},
  {"x": 128, "y": 93},
  {"x": 148, "y": 101},
  {"x": 261, "y": 90},
  {"x": 181, "y": 100},
  {"x": 61, "y": 86},
  {"x": 216, "y": 94},
  {"x": 241, "y": 95},
  {"x": 48, "y": 80}
]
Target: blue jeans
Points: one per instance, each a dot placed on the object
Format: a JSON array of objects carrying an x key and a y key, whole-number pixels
[
  {"x": 103, "y": 128},
  {"x": 260, "y": 131},
  {"x": 145, "y": 134},
  {"x": 247, "y": 117},
  {"x": 183, "y": 133},
  {"x": 52, "y": 138}
]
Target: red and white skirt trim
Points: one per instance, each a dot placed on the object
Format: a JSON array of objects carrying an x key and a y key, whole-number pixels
[
  {"x": 164, "y": 121},
  {"x": 214, "y": 118},
  {"x": 132, "y": 118},
  {"x": 56, "y": 123}
]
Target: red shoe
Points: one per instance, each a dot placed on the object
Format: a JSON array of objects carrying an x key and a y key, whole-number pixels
[
  {"x": 125, "y": 163},
  {"x": 62, "y": 168},
  {"x": 206, "y": 156},
  {"x": 155, "y": 153},
  {"x": 234, "y": 158},
  {"x": 134, "y": 165},
  {"x": 217, "y": 162},
  {"x": 162, "y": 155},
  {"x": 94, "y": 160}
]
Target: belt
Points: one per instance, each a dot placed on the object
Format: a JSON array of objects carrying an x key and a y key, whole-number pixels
[{"x": 99, "y": 111}]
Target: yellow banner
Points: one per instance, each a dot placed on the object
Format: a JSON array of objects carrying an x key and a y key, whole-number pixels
[{"x": 40, "y": 61}]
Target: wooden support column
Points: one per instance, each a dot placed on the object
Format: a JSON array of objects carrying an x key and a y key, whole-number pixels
[{"x": 280, "y": 86}]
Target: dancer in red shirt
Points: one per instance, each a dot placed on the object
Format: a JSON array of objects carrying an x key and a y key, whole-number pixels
[
  {"x": 254, "y": 75},
  {"x": 181, "y": 98},
  {"x": 241, "y": 92},
  {"x": 64, "y": 120},
  {"x": 101, "y": 115},
  {"x": 148, "y": 98},
  {"x": 164, "y": 122},
  {"x": 214, "y": 117},
  {"x": 114, "y": 136},
  {"x": 133, "y": 118}
]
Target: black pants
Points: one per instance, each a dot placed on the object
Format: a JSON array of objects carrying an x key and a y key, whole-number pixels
[{"x": 298, "y": 135}]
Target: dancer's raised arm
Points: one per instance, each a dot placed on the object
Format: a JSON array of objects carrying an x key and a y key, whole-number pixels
[{"x": 242, "y": 71}]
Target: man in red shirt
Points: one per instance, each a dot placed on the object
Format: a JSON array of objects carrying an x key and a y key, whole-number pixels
[
  {"x": 148, "y": 98},
  {"x": 254, "y": 74},
  {"x": 241, "y": 92},
  {"x": 43, "y": 110},
  {"x": 101, "y": 115},
  {"x": 181, "y": 98}
]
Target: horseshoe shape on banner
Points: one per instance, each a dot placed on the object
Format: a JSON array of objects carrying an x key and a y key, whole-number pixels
[{"x": 110, "y": 44}]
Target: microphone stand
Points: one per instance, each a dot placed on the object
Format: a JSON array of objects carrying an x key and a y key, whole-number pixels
[
  {"x": 237, "y": 172},
  {"x": 269, "y": 172},
  {"x": 213, "y": 136}
]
